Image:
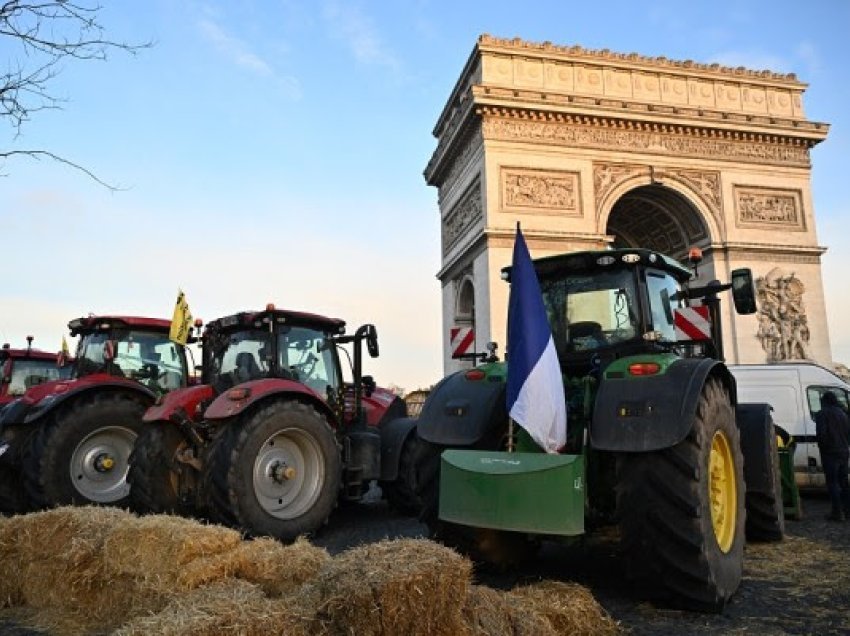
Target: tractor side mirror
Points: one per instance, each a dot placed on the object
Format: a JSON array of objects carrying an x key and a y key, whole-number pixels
[
  {"x": 372, "y": 341},
  {"x": 743, "y": 291}
]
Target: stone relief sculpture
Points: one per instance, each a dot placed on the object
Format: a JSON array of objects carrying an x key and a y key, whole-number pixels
[{"x": 783, "y": 325}]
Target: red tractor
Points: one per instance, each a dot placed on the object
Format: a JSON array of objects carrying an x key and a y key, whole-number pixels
[
  {"x": 273, "y": 436},
  {"x": 21, "y": 369},
  {"x": 68, "y": 441}
]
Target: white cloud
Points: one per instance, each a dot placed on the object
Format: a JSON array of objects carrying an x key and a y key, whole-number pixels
[
  {"x": 239, "y": 53},
  {"x": 348, "y": 24}
]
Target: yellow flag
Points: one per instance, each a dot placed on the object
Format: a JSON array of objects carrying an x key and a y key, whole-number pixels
[
  {"x": 64, "y": 353},
  {"x": 181, "y": 323}
]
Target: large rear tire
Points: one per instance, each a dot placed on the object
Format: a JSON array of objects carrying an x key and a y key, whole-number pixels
[
  {"x": 159, "y": 482},
  {"x": 401, "y": 494},
  {"x": 498, "y": 549},
  {"x": 765, "y": 507},
  {"x": 80, "y": 455},
  {"x": 13, "y": 500},
  {"x": 277, "y": 474},
  {"x": 681, "y": 510}
]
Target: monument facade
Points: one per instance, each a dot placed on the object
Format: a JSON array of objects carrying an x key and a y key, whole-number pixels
[{"x": 590, "y": 149}]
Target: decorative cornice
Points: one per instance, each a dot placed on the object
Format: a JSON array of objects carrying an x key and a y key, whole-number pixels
[
  {"x": 605, "y": 133},
  {"x": 605, "y": 55}
]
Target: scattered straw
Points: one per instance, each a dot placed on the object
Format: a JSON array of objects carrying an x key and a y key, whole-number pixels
[
  {"x": 405, "y": 586},
  {"x": 230, "y": 606}
]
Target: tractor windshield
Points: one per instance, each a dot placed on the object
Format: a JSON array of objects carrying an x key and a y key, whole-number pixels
[
  {"x": 590, "y": 311},
  {"x": 147, "y": 356},
  {"x": 301, "y": 354},
  {"x": 28, "y": 373}
]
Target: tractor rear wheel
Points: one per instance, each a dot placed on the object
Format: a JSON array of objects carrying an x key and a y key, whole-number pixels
[
  {"x": 13, "y": 500},
  {"x": 765, "y": 507},
  {"x": 159, "y": 482},
  {"x": 80, "y": 455},
  {"x": 276, "y": 474},
  {"x": 401, "y": 493},
  {"x": 495, "y": 548},
  {"x": 681, "y": 510}
]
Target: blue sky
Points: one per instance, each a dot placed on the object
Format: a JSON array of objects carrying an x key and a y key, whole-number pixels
[{"x": 272, "y": 151}]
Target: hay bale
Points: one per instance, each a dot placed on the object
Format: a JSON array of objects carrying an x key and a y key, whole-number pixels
[
  {"x": 230, "y": 606},
  {"x": 69, "y": 539},
  {"x": 404, "y": 586},
  {"x": 171, "y": 549},
  {"x": 278, "y": 569},
  {"x": 569, "y": 608},
  {"x": 486, "y": 612}
]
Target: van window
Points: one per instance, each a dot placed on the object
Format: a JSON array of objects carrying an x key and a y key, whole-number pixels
[{"x": 815, "y": 393}]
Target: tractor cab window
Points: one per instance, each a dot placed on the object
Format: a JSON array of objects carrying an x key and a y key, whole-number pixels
[
  {"x": 662, "y": 289},
  {"x": 310, "y": 358},
  {"x": 29, "y": 373},
  {"x": 591, "y": 311},
  {"x": 151, "y": 358},
  {"x": 241, "y": 356}
]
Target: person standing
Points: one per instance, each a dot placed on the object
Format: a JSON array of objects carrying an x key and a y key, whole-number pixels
[{"x": 833, "y": 435}]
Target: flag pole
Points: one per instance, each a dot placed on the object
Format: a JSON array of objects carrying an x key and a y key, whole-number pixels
[{"x": 511, "y": 442}]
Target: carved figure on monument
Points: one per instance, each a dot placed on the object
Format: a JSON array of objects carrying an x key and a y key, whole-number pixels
[{"x": 783, "y": 325}]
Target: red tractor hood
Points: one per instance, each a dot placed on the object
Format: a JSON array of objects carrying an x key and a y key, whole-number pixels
[{"x": 186, "y": 400}]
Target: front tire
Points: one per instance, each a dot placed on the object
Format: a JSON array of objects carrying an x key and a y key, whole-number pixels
[
  {"x": 682, "y": 512},
  {"x": 81, "y": 454},
  {"x": 159, "y": 482},
  {"x": 401, "y": 493},
  {"x": 278, "y": 474}
]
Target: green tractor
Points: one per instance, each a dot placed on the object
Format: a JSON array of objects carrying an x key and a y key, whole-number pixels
[{"x": 657, "y": 444}]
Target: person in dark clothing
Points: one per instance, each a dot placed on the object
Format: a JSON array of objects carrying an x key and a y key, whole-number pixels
[{"x": 833, "y": 434}]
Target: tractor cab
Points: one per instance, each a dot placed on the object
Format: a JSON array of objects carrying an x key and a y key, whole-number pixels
[
  {"x": 605, "y": 305},
  {"x": 21, "y": 369},
  {"x": 129, "y": 347},
  {"x": 273, "y": 343}
]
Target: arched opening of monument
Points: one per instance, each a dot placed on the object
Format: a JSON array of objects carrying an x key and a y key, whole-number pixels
[
  {"x": 657, "y": 218},
  {"x": 465, "y": 307}
]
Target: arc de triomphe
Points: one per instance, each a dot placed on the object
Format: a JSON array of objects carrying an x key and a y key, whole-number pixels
[{"x": 592, "y": 148}]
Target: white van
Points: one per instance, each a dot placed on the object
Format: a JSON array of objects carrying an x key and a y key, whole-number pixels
[{"x": 794, "y": 391}]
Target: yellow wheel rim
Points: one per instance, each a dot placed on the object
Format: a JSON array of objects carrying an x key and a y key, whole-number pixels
[{"x": 722, "y": 491}]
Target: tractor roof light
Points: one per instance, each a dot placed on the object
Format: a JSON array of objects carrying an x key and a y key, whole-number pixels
[
  {"x": 270, "y": 307},
  {"x": 475, "y": 375},
  {"x": 644, "y": 368}
]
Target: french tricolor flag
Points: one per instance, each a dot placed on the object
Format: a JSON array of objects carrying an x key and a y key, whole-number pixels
[{"x": 535, "y": 391}]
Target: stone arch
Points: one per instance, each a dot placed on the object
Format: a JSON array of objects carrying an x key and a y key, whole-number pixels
[
  {"x": 465, "y": 302},
  {"x": 657, "y": 217},
  {"x": 685, "y": 207}
]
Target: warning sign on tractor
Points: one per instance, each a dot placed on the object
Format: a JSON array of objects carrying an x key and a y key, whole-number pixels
[
  {"x": 462, "y": 339},
  {"x": 692, "y": 323}
]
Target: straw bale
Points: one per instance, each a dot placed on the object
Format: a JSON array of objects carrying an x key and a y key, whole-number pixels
[
  {"x": 158, "y": 545},
  {"x": 486, "y": 612},
  {"x": 10, "y": 566},
  {"x": 402, "y": 586},
  {"x": 230, "y": 606},
  {"x": 72, "y": 534},
  {"x": 277, "y": 568},
  {"x": 569, "y": 607},
  {"x": 92, "y": 608}
]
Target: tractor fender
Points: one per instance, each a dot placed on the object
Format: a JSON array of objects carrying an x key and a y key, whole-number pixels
[
  {"x": 381, "y": 406},
  {"x": 52, "y": 395},
  {"x": 245, "y": 396},
  {"x": 464, "y": 412},
  {"x": 648, "y": 413},
  {"x": 186, "y": 401},
  {"x": 394, "y": 434}
]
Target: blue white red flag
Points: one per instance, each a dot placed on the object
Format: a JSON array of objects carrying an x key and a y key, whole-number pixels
[{"x": 535, "y": 390}]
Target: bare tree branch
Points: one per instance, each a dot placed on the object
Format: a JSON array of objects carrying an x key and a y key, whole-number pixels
[
  {"x": 48, "y": 32},
  {"x": 38, "y": 155}
]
